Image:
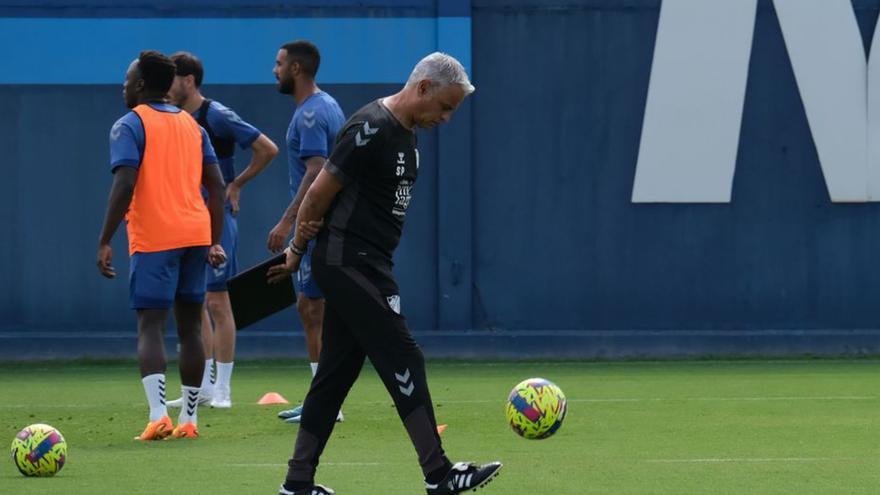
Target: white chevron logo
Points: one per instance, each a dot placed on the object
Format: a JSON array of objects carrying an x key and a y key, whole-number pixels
[
  {"x": 404, "y": 377},
  {"x": 408, "y": 390},
  {"x": 404, "y": 380},
  {"x": 116, "y": 131},
  {"x": 368, "y": 131},
  {"x": 309, "y": 118},
  {"x": 220, "y": 270}
]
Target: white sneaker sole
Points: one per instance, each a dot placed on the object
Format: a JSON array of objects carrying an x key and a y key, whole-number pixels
[
  {"x": 178, "y": 403},
  {"x": 298, "y": 419},
  {"x": 489, "y": 479},
  {"x": 485, "y": 481}
]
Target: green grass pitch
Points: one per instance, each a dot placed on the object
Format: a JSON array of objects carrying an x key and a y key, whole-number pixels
[{"x": 703, "y": 427}]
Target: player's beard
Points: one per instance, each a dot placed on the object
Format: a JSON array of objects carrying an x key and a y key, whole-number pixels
[
  {"x": 286, "y": 87},
  {"x": 130, "y": 100}
]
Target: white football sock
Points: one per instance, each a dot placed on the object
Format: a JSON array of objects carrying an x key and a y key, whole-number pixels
[
  {"x": 224, "y": 375},
  {"x": 154, "y": 386},
  {"x": 314, "y": 369},
  {"x": 208, "y": 378},
  {"x": 190, "y": 410}
]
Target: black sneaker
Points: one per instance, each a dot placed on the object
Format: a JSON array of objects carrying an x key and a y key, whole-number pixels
[
  {"x": 463, "y": 477},
  {"x": 314, "y": 490}
]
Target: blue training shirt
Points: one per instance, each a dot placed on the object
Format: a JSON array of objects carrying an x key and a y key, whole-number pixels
[
  {"x": 226, "y": 124},
  {"x": 312, "y": 132},
  {"x": 127, "y": 140}
]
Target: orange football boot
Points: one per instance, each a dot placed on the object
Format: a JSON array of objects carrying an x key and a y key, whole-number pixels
[
  {"x": 185, "y": 430},
  {"x": 156, "y": 430}
]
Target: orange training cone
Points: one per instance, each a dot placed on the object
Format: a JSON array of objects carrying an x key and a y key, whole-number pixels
[
  {"x": 272, "y": 398},
  {"x": 441, "y": 429}
]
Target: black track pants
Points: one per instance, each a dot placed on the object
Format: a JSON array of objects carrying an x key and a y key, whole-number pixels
[{"x": 361, "y": 319}]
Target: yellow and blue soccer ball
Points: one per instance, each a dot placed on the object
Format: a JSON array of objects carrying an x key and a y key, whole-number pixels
[
  {"x": 39, "y": 450},
  {"x": 536, "y": 408}
]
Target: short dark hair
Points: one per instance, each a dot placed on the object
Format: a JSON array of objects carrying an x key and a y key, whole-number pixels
[
  {"x": 157, "y": 70},
  {"x": 189, "y": 65},
  {"x": 305, "y": 53}
]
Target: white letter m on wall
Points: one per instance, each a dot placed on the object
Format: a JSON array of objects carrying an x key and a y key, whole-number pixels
[{"x": 693, "y": 115}]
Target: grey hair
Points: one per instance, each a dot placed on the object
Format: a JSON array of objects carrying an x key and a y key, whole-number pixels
[{"x": 442, "y": 70}]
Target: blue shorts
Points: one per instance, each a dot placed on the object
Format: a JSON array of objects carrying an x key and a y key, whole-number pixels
[
  {"x": 158, "y": 279},
  {"x": 217, "y": 277},
  {"x": 304, "y": 280}
]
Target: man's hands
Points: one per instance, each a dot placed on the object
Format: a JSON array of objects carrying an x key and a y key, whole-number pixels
[
  {"x": 278, "y": 236},
  {"x": 233, "y": 195},
  {"x": 105, "y": 259},
  {"x": 310, "y": 230},
  {"x": 280, "y": 272},
  {"x": 216, "y": 255}
]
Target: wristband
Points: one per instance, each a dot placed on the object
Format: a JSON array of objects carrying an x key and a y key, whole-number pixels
[{"x": 297, "y": 251}]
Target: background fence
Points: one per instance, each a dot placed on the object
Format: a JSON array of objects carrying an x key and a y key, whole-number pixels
[{"x": 522, "y": 238}]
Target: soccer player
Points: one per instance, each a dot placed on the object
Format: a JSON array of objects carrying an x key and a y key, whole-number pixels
[
  {"x": 226, "y": 129},
  {"x": 160, "y": 159},
  {"x": 310, "y": 138},
  {"x": 362, "y": 195}
]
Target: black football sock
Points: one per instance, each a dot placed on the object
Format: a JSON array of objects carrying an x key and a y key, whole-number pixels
[{"x": 437, "y": 475}]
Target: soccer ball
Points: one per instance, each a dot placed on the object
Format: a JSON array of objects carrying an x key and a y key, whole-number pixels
[
  {"x": 39, "y": 450},
  {"x": 536, "y": 408}
]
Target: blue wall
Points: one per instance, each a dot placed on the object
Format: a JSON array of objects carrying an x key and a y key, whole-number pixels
[
  {"x": 58, "y": 195},
  {"x": 577, "y": 254},
  {"x": 522, "y": 237}
]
